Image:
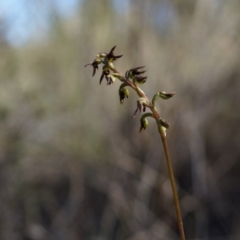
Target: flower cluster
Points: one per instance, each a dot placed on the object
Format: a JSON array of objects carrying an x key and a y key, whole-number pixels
[
  {"x": 132, "y": 78},
  {"x": 106, "y": 59}
]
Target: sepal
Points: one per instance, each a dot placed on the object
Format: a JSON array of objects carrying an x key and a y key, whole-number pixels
[
  {"x": 139, "y": 79},
  {"x": 134, "y": 72},
  {"x": 111, "y": 57}
]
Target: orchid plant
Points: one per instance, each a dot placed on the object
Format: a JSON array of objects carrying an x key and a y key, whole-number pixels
[{"x": 132, "y": 79}]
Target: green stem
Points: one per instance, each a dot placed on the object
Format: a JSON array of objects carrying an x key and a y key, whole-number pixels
[{"x": 174, "y": 189}]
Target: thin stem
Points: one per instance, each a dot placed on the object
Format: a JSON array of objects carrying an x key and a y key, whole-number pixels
[{"x": 174, "y": 189}]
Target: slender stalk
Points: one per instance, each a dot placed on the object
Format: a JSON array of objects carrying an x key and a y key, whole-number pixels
[{"x": 174, "y": 189}]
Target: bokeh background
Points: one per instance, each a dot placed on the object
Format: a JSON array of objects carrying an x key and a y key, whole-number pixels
[{"x": 72, "y": 163}]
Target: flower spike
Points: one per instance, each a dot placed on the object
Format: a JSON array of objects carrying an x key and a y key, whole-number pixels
[{"x": 132, "y": 78}]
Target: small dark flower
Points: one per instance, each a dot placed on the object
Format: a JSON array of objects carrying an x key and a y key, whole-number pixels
[
  {"x": 94, "y": 64},
  {"x": 111, "y": 57},
  {"x": 134, "y": 72},
  {"x": 135, "y": 75},
  {"x": 106, "y": 74},
  {"x": 141, "y": 106}
]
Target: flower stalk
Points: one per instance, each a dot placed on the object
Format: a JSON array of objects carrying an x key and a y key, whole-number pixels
[{"x": 132, "y": 79}]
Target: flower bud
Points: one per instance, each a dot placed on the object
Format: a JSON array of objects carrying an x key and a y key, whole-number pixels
[
  {"x": 142, "y": 103},
  {"x": 123, "y": 93},
  {"x": 144, "y": 124},
  {"x": 165, "y": 95},
  {"x": 134, "y": 72}
]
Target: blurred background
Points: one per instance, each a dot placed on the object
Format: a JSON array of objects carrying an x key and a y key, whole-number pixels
[{"x": 72, "y": 163}]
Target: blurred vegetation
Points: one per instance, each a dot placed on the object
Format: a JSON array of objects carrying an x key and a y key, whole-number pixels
[{"x": 72, "y": 163}]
